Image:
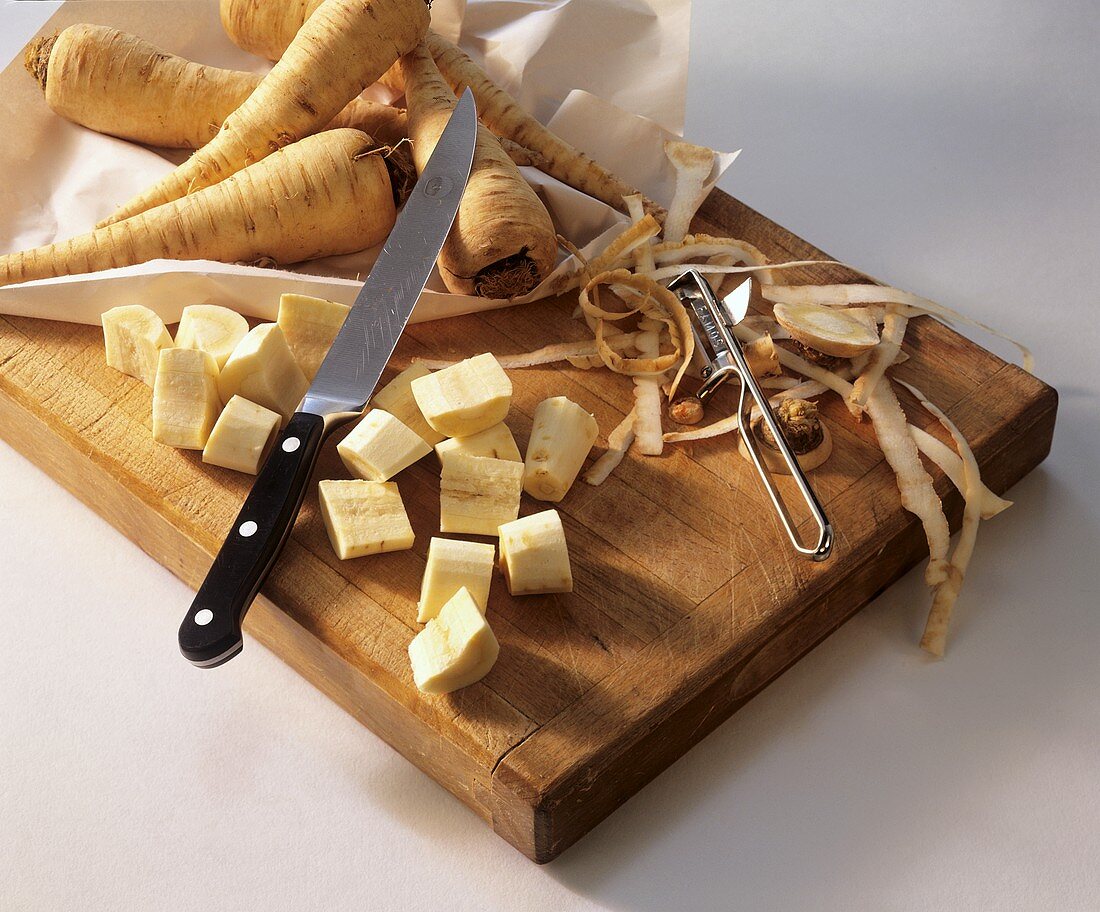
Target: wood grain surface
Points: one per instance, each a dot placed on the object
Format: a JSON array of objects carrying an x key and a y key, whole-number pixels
[{"x": 688, "y": 599}]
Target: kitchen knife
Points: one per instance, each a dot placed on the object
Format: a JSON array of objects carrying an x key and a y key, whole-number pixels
[{"x": 211, "y": 632}]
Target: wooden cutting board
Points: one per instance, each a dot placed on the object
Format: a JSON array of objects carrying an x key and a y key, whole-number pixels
[{"x": 688, "y": 599}]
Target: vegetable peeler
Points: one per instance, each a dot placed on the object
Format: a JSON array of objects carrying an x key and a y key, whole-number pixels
[{"x": 721, "y": 358}]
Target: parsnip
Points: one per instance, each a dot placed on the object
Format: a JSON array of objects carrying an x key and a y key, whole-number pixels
[
  {"x": 364, "y": 517},
  {"x": 326, "y": 195},
  {"x": 396, "y": 397},
  {"x": 561, "y": 437},
  {"x": 456, "y": 649},
  {"x": 454, "y": 565},
  {"x": 242, "y": 436},
  {"x": 464, "y": 398},
  {"x": 185, "y": 398},
  {"x": 534, "y": 557},
  {"x": 496, "y": 442},
  {"x": 265, "y": 27},
  {"x": 343, "y": 47},
  {"x": 503, "y": 115},
  {"x": 380, "y": 446},
  {"x": 133, "y": 337},
  {"x": 503, "y": 242},
  {"x": 310, "y": 326},
  {"x": 212, "y": 329},
  {"x": 477, "y": 494},
  {"x": 121, "y": 85},
  {"x": 262, "y": 370}
]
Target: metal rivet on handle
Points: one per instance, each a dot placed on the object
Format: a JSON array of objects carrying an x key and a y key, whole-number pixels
[
  {"x": 291, "y": 444},
  {"x": 248, "y": 529}
]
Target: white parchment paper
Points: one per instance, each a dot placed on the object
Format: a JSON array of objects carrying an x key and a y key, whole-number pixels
[{"x": 610, "y": 76}]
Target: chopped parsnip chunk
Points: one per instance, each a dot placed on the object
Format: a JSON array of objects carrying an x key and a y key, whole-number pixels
[
  {"x": 454, "y": 565},
  {"x": 380, "y": 446},
  {"x": 185, "y": 398},
  {"x": 364, "y": 517},
  {"x": 242, "y": 436},
  {"x": 533, "y": 556},
  {"x": 133, "y": 337},
  {"x": 464, "y": 398},
  {"x": 456, "y": 649},
  {"x": 477, "y": 494}
]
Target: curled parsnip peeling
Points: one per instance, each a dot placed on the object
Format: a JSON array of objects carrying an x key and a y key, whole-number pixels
[
  {"x": 947, "y": 592},
  {"x": 618, "y": 252},
  {"x": 951, "y": 465},
  {"x": 882, "y": 356},
  {"x": 693, "y": 166},
  {"x": 918, "y": 494},
  {"x": 827, "y": 330},
  {"x": 643, "y": 256},
  {"x": 618, "y": 442},
  {"x": 648, "y": 407},
  {"x": 548, "y": 354},
  {"x": 705, "y": 246},
  {"x": 653, "y": 301},
  {"x": 671, "y": 272},
  {"x": 914, "y": 305},
  {"x": 762, "y": 357}
]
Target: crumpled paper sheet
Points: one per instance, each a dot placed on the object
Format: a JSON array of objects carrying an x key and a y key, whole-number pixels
[{"x": 59, "y": 179}]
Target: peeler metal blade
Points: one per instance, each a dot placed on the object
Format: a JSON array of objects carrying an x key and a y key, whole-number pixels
[{"x": 719, "y": 357}]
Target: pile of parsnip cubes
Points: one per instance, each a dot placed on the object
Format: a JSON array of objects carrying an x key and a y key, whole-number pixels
[{"x": 224, "y": 389}]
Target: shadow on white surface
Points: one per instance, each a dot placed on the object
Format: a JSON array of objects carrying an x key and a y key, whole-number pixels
[{"x": 721, "y": 830}]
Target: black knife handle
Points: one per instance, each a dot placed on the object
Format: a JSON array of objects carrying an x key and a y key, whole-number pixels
[{"x": 211, "y": 632}]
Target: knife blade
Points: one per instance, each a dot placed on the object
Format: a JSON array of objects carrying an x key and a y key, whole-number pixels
[{"x": 211, "y": 632}]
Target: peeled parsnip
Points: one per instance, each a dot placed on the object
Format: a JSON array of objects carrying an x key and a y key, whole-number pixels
[
  {"x": 503, "y": 241},
  {"x": 213, "y": 329},
  {"x": 121, "y": 85},
  {"x": 326, "y": 195},
  {"x": 262, "y": 370},
  {"x": 185, "y": 398},
  {"x": 133, "y": 337},
  {"x": 561, "y": 437},
  {"x": 343, "y": 47}
]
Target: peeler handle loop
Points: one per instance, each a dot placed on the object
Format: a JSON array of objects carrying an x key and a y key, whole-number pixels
[{"x": 751, "y": 392}]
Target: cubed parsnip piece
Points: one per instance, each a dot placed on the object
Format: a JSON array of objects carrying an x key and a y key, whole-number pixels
[
  {"x": 213, "y": 329},
  {"x": 242, "y": 436},
  {"x": 310, "y": 326},
  {"x": 396, "y": 398},
  {"x": 380, "y": 446},
  {"x": 456, "y": 649},
  {"x": 561, "y": 436},
  {"x": 262, "y": 370},
  {"x": 133, "y": 337},
  {"x": 364, "y": 517},
  {"x": 477, "y": 494},
  {"x": 533, "y": 555},
  {"x": 185, "y": 398},
  {"x": 496, "y": 442},
  {"x": 464, "y": 398},
  {"x": 454, "y": 565}
]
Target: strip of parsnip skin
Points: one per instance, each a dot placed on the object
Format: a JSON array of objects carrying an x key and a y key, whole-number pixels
[
  {"x": 947, "y": 592},
  {"x": 618, "y": 442}
]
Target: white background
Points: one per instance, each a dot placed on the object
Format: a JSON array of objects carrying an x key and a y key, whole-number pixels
[{"x": 951, "y": 148}]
